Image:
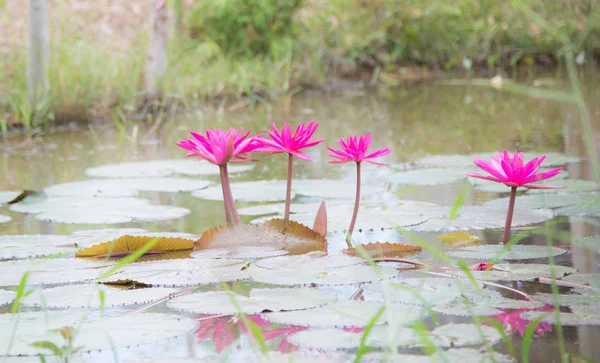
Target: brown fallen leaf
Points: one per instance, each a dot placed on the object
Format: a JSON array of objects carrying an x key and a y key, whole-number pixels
[
  {"x": 277, "y": 233},
  {"x": 385, "y": 249},
  {"x": 128, "y": 244}
]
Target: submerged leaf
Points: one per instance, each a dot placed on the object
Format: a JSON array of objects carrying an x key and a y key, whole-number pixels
[
  {"x": 100, "y": 334},
  {"x": 132, "y": 243},
  {"x": 385, "y": 249},
  {"x": 259, "y": 300},
  {"x": 276, "y": 233},
  {"x": 458, "y": 238}
]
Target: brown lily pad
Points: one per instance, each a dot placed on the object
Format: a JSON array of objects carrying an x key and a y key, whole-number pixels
[
  {"x": 127, "y": 244},
  {"x": 458, "y": 239},
  {"x": 385, "y": 249},
  {"x": 277, "y": 233}
]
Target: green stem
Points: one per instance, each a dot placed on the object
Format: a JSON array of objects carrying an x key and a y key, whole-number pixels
[
  {"x": 356, "y": 204},
  {"x": 509, "y": 214},
  {"x": 222, "y": 172},
  {"x": 288, "y": 192}
]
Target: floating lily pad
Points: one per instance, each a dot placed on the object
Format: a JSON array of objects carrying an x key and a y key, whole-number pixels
[
  {"x": 240, "y": 252},
  {"x": 463, "y": 355},
  {"x": 485, "y": 304},
  {"x": 126, "y": 244},
  {"x": 254, "y": 357},
  {"x": 571, "y": 186},
  {"x": 124, "y": 187},
  {"x": 385, "y": 249},
  {"x": 33, "y": 246},
  {"x": 99, "y": 210},
  {"x": 185, "y": 272},
  {"x": 592, "y": 279},
  {"x": 254, "y": 191},
  {"x": 81, "y": 296},
  {"x": 581, "y": 315},
  {"x": 51, "y": 271},
  {"x": 517, "y": 272},
  {"x": 590, "y": 243},
  {"x": 106, "y": 234},
  {"x": 514, "y": 252},
  {"x": 7, "y": 196},
  {"x": 338, "y": 276},
  {"x": 477, "y": 217},
  {"x": 333, "y": 189},
  {"x": 427, "y": 176},
  {"x": 580, "y": 210},
  {"x": 161, "y": 168},
  {"x": 541, "y": 201},
  {"x": 179, "y": 235},
  {"x": 568, "y": 300},
  {"x": 345, "y": 314},
  {"x": 313, "y": 261},
  {"x": 5, "y": 219},
  {"x": 106, "y": 333},
  {"x": 458, "y": 238},
  {"x": 259, "y": 300},
  {"x": 446, "y": 161},
  {"x": 6, "y": 297},
  {"x": 459, "y": 335}
]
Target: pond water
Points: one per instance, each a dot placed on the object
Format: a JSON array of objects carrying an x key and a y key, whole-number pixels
[{"x": 415, "y": 121}]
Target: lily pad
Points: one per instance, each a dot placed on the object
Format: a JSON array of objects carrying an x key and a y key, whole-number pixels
[
  {"x": 240, "y": 252},
  {"x": 477, "y": 218},
  {"x": 251, "y": 356},
  {"x": 568, "y": 300},
  {"x": 259, "y": 300},
  {"x": 458, "y": 238},
  {"x": 179, "y": 235},
  {"x": 254, "y": 191},
  {"x": 6, "y": 297},
  {"x": 590, "y": 243},
  {"x": 51, "y": 271},
  {"x": 124, "y": 187},
  {"x": 572, "y": 186},
  {"x": 333, "y": 189},
  {"x": 106, "y": 333},
  {"x": 338, "y": 276},
  {"x": 81, "y": 296},
  {"x": 5, "y": 219},
  {"x": 345, "y": 314},
  {"x": 426, "y": 177},
  {"x": 99, "y": 210},
  {"x": 517, "y": 272},
  {"x": 514, "y": 252},
  {"x": 581, "y": 315},
  {"x": 161, "y": 168},
  {"x": 580, "y": 210},
  {"x": 313, "y": 261},
  {"x": 485, "y": 304},
  {"x": 446, "y": 161},
  {"x": 463, "y": 355},
  {"x": 185, "y": 272},
  {"x": 541, "y": 201},
  {"x": 592, "y": 278},
  {"x": 132, "y": 243},
  {"x": 33, "y": 246},
  {"x": 7, "y": 196}
]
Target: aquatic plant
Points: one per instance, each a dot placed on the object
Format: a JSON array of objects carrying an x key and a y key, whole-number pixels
[
  {"x": 355, "y": 149},
  {"x": 511, "y": 320},
  {"x": 513, "y": 172},
  {"x": 220, "y": 147},
  {"x": 283, "y": 141}
]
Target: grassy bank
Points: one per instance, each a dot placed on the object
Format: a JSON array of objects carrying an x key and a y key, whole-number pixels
[{"x": 265, "y": 48}]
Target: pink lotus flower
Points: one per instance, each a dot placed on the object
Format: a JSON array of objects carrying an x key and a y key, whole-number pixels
[
  {"x": 355, "y": 149},
  {"x": 512, "y": 321},
  {"x": 219, "y": 147},
  {"x": 512, "y": 172},
  {"x": 285, "y": 142},
  {"x": 481, "y": 266}
]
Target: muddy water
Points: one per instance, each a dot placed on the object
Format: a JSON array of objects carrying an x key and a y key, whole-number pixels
[{"x": 413, "y": 121}]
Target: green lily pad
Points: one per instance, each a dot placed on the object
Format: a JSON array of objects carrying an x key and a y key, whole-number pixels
[
  {"x": 124, "y": 187},
  {"x": 6, "y": 297},
  {"x": 426, "y": 177},
  {"x": 591, "y": 209},
  {"x": 345, "y": 314},
  {"x": 239, "y": 252},
  {"x": 51, "y": 271},
  {"x": 98, "y": 210},
  {"x": 255, "y": 191},
  {"x": 161, "y": 168},
  {"x": 184, "y": 272},
  {"x": 515, "y": 252},
  {"x": 314, "y": 261},
  {"x": 568, "y": 300},
  {"x": 100, "y": 334},
  {"x": 581, "y": 315},
  {"x": 477, "y": 217},
  {"x": 34, "y": 246},
  {"x": 82, "y": 296},
  {"x": 590, "y": 243},
  {"x": 338, "y": 276},
  {"x": 5, "y": 219},
  {"x": 259, "y": 300},
  {"x": 333, "y": 189},
  {"x": 541, "y": 201},
  {"x": 592, "y": 278},
  {"x": 517, "y": 272},
  {"x": 485, "y": 304},
  {"x": 572, "y": 186},
  {"x": 7, "y": 196}
]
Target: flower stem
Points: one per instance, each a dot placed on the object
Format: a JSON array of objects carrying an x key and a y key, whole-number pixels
[
  {"x": 288, "y": 192},
  {"x": 233, "y": 209},
  {"x": 356, "y": 203},
  {"x": 222, "y": 172},
  {"x": 509, "y": 214}
]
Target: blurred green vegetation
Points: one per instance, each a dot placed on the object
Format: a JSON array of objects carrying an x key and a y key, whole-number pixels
[{"x": 261, "y": 49}]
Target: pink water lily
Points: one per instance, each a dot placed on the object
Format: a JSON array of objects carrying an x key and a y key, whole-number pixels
[
  {"x": 285, "y": 142},
  {"x": 512, "y": 320},
  {"x": 221, "y": 147},
  {"x": 354, "y": 148},
  {"x": 513, "y": 172}
]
